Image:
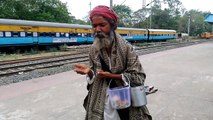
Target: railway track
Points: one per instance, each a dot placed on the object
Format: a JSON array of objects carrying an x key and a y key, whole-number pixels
[
  {"x": 18, "y": 67},
  {"x": 165, "y": 46},
  {"x": 24, "y": 65}
]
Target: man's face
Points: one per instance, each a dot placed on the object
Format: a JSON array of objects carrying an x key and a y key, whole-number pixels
[
  {"x": 102, "y": 33},
  {"x": 101, "y": 27}
]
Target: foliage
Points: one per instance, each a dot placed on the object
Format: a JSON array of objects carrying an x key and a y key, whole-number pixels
[
  {"x": 63, "y": 47},
  {"x": 173, "y": 16},
  {"x": 140, "y": 18},
  {"x": 197, "y": 24},
  {"x": 38, "y": 10},
  {"x": 124, "y": 13}
]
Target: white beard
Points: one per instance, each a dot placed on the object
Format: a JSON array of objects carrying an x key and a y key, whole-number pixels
[{"x": 103, "y": 42}]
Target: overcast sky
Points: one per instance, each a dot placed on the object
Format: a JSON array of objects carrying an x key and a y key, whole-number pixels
[{"x": 80, "y": 8}]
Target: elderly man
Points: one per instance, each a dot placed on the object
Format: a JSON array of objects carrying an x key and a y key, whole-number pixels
[{"x": 111, "y": 58}]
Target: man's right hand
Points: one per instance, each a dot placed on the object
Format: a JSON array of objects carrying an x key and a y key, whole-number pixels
[{"x": 81, "y": 69}]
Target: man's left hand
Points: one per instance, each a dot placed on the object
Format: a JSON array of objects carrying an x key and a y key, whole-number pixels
[{"x": 103, "y": 74}]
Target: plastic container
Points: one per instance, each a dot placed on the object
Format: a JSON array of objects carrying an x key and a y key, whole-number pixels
[
  {"x": 138, "y": 95},
  {"x": 120, "y": 97}
]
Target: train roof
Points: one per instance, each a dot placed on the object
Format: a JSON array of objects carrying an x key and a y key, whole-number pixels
[
  {"x": 65, "y": 25},
  {"x": 161, "y": 30},
  {"x": 41, "y": 23},
  {"x": 124, "y": 28}
]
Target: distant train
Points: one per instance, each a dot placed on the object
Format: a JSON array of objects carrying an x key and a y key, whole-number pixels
[{"x": 25, "y": 33}]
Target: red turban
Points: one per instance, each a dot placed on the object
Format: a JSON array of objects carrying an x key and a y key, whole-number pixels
[{"x": 104, "y": 11}]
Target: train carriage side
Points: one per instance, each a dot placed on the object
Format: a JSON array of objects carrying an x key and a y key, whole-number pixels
[
  {"x": 16, "y": 35},
  {"x": 133, "y": 34},
  {"x": 161, "y": 34},
  {"x": 23, "y": 33},
  {"x": 64, "y": 34}
]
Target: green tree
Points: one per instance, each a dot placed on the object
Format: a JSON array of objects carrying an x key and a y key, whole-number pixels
[
  {"x": 7, "y": 9},
  {"x": 197, "y": 24},
  {"x": 124, "y": 14},
  {"x": 39, "y": 10},
  {"x": 139, "y": 18},
  {"x": 175, "y": 7}
]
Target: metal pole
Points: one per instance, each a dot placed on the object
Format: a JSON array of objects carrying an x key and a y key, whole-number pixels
[
  {"x": 150, "y": 21},
  {"x": 143, "y": 3},
  {"x": 212, "y": 28},
  {"x": 90, "y": 4},
  {"x": 189, "y": 25},
  {"x": 111, "y": 3}
]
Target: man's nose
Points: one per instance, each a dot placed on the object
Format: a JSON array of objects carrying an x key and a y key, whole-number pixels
[{"x": 98, "y": 29}]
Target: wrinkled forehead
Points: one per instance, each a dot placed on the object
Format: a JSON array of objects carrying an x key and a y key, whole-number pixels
[{"x": 98, "y": 19}]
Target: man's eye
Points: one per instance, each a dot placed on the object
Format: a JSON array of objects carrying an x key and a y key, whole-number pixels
[
  {"x": 94, "y": 26},
  {"x": 102, "y": 25}
]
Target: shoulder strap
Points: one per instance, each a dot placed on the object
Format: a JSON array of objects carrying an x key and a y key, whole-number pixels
[{"x": 104, "y": 66}]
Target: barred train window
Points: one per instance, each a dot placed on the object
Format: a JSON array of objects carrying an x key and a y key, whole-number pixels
[
  {"x": 22, "y": 34},
  {"x": 1, "y": 34},
  {"x": 62, "y": 35},
  {"x": 52, "y": 34},
  {"x": 15, "y": 34},
  {"x": 42, "y": 34},
  {"x": 29, "y": 34},
  {"x": 57, "y": 34},
  {"x": 7, "y": 34},
  {"x": 35, "y": 34}
]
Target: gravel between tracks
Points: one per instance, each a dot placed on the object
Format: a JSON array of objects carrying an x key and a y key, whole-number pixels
[{"x": 50, "y": 71}]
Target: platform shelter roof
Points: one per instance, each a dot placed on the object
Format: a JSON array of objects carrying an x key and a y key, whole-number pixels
[{"x": 209, "y": 18}]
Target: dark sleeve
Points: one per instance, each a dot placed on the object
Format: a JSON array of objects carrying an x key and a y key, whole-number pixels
[{"x": 134, "y": 70}]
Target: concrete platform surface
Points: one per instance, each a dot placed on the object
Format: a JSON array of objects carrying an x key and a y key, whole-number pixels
[{"x": 183, "y": 76}]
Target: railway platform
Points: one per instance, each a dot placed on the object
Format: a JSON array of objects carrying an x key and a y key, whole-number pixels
[{"x": 183, "y": 76}]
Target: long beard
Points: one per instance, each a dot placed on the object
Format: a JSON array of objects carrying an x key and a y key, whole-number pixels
[{"x": 103, "y": 40}]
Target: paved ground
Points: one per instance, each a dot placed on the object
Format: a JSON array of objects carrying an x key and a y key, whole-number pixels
[{"x": 184, "y": 77}]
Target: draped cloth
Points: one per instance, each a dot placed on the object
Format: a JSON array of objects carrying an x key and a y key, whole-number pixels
[
  {"x": 105, "y": 12},
  {"x": 124, "y": 60}
]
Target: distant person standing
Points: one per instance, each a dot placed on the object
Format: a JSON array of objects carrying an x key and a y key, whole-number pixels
[{"x": 111, "y": 58}]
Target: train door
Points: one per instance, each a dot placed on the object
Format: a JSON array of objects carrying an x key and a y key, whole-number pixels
[
  {"x": 148, "y": 35},
  {"x": 35, "y": 37}
]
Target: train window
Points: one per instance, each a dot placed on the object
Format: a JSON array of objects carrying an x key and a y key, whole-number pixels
[
  {"x": 71, "y": 34},
  {"x": 57, "y": 34},
  {"x": 52, "y": 34},
  {"x": 29, "y": 34},
  {"x": 123, "y": 34},
  {"x": 1, "y": 34},
  {"x": 62, "y": 35},
  {"x": 35, "y": 34},
  {"x": 7, "y": 34},
  {"x": 66, "y": 34},
  {"x": 22, "y": 34},
  {"x": 79, "y": 35},
  {"x": 89, "y": 35},
  {"x": 46, "y": 34},
  {"x": 75, "y": 34},
  {"x": 15, "y": 34},
  {"x": 42, "y": 34}
]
